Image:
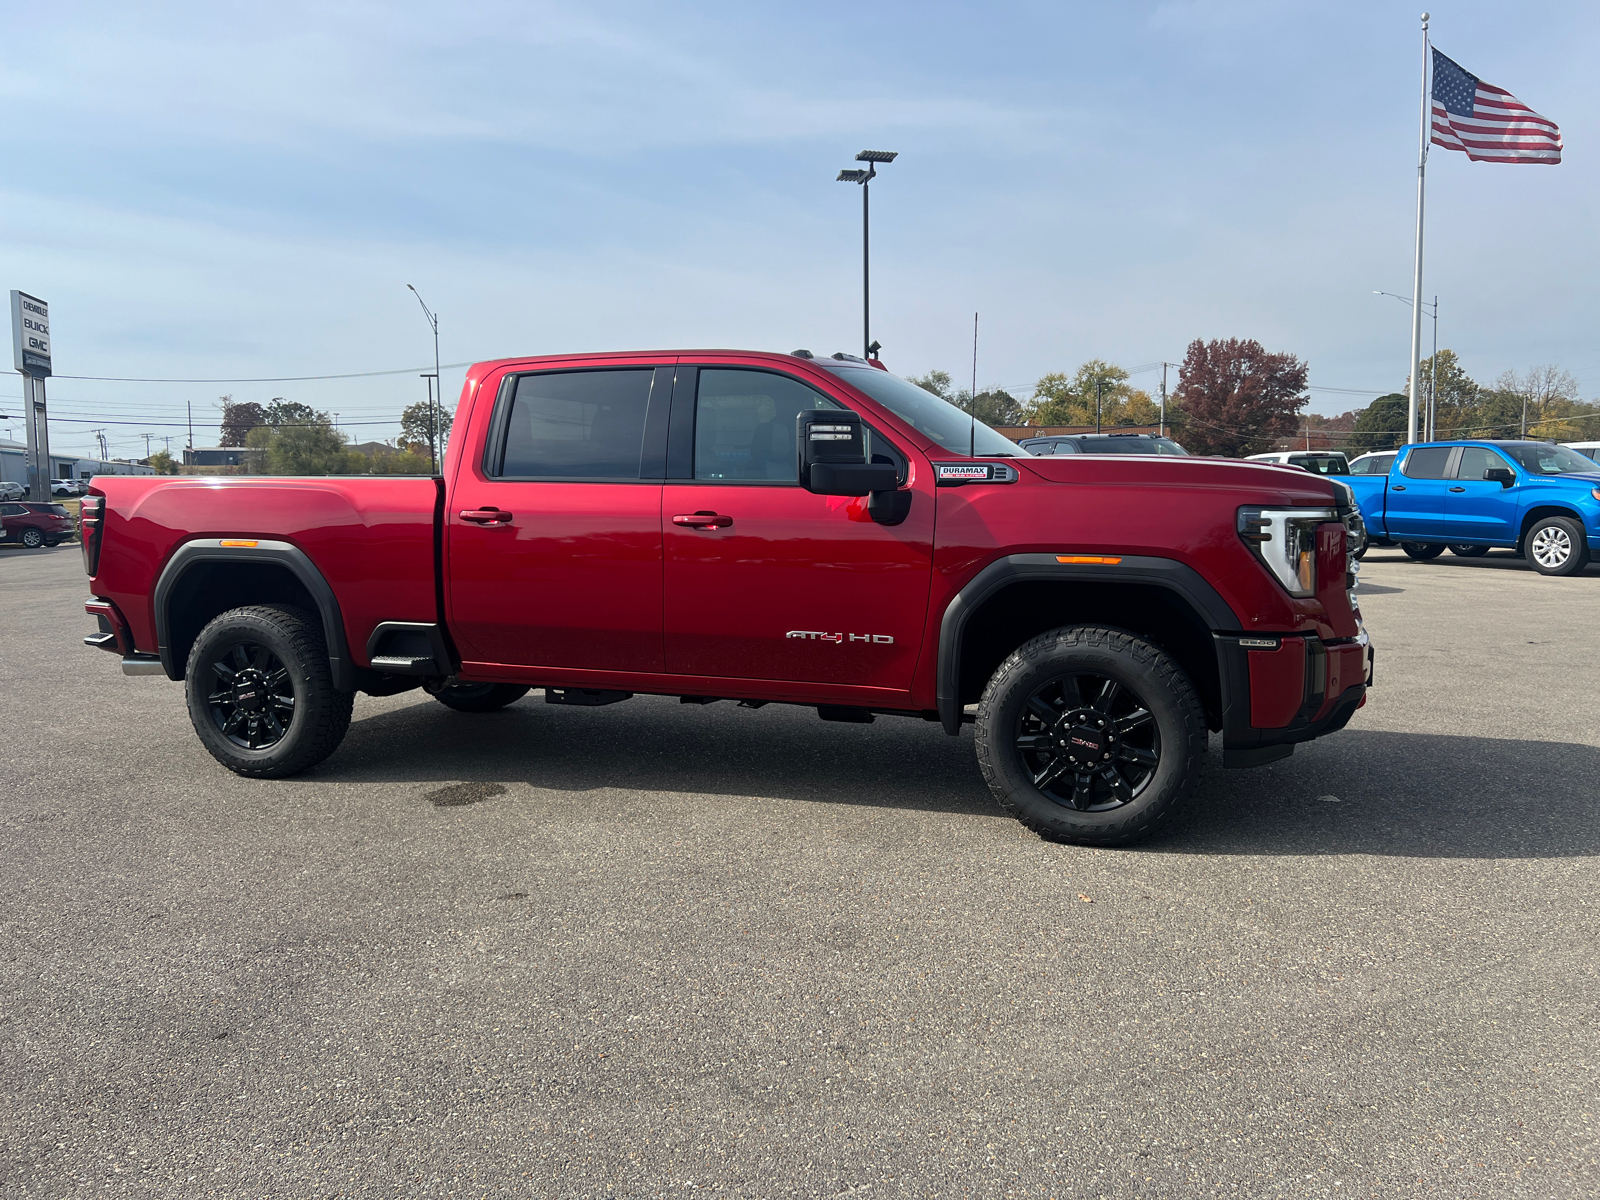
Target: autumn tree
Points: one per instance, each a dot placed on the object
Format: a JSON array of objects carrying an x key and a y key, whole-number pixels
[
  {"x": 1059, "y": 399},
  {"x": 1236, "y": 397}
]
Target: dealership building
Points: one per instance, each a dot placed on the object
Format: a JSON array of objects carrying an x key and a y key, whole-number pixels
[{"x": 14, "y": 465}]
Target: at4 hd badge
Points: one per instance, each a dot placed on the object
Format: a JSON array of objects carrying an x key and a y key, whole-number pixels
[
  {"x": 956, "y": 474},
  {"x": 815, "y": 635}
]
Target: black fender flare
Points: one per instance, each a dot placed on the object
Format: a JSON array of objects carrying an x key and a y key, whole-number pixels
[
  {"x": 282, "y": 554},
  {"x": 1167, "y": 573}
]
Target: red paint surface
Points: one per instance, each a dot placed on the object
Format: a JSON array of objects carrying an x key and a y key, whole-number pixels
[{"x": 1277, "y": 684}]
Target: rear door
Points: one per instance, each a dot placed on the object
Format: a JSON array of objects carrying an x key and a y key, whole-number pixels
[
  {"x": 1479, "y": 509},
  {"x": 555, "y": 526},
  {"x": 765, "y": 580},
  {"x": 1415, "y": 504}
]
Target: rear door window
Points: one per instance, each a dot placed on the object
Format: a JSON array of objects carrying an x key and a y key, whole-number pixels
[
  {"x": 577, "y": 425},
  {"x": 1476, "y": 460},
  {"x": 1428, "y": 462}
]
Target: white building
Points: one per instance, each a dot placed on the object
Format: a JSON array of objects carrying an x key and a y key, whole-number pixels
[{"x": 14, "y": 465}]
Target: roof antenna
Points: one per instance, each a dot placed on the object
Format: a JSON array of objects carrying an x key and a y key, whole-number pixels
[{"x": 972, "y": 439}]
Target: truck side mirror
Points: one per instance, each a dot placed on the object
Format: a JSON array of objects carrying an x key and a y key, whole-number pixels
[
  {"x": 1504, "y": 476},
  {"x": 833, "y": 455}
]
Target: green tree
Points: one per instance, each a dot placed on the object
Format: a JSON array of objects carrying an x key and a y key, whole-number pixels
[
  {"x": 937, "y": 382},
  {"x": 415, "y": 428},
  {"x": 995, "y": 406},
  {"x": 305, "y": 447},
  {"x": 1060, "y": 400},
  {"x": 163, "y": 463},
  {"x": 1381, "y": 425},
  {"x": 281, "y": 412},
  {"x": 402, "y": 462},
  {"x": 1457, "y": 397}
]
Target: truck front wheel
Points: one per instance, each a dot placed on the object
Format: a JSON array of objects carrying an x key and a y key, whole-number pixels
[
  {"x": 1092, "y": 735},
  {"x": 261, "y": 694},
  {"x": 1556, "y": 546}
]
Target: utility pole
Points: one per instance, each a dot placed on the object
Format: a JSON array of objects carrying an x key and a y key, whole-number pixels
[
  {"x": 100, "y": 436},
  {"x": 1098, "y": 383},
  {"x": 191, "y": 424},
  {"x": 433, "y": 417},
  {"x": 147, "y": 438},
  {"x": 872, "y": 158},
  {"x": 1163, "y": 426}
]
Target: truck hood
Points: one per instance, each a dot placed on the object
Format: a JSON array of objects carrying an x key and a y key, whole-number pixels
[{"x": 1264, "y": 483}]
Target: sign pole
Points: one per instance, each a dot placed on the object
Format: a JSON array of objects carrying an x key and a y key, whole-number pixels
[{"x": 30, "y": 343}]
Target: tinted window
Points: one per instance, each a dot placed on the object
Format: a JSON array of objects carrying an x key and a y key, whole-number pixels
[
  {"x": 1321, "y": 464},
  {"x": 1545, "y": 459},
  {"x": 1428, "y": 462},
  {"x": 744, "y": 424},
  {"x": 576, "y": 425},
  {"x": 939, "y": 420},
  {"x": 1475, "y": 460},
  {"x": 12, "y": 510}
]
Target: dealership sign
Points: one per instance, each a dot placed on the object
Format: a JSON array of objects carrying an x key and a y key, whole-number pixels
[{"x": 30, "y": 334}]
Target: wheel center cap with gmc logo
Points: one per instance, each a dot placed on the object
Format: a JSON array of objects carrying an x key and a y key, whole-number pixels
[{"x": 1082, "y": 740}]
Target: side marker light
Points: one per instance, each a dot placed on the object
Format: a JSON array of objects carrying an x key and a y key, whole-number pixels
[
  {"x": 245, "y": 542},
  {"x": 1103, "y": 559}
]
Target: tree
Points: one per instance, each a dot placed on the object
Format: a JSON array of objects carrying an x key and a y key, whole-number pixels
[
  {"x": 995, "y": 406},
  {"x": 283, "y": 412},
  {"x": 1457, "y": 398},
  {"x": 415, "y": 428},
  {"x": 937, "y": 382},
  {"x": 1058, "y": 400},
  {"x": 1381, "y": 425},
  {"x": 1236, "y": 397},
  {"x": 163, "y": 463},
  {"x": 304, "y": 447},
  {"x": 238, "y": 419},
  {"x": 1539, "y": 396}
]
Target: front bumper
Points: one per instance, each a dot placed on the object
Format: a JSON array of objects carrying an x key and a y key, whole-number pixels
[{"x": 1280, "y": 690}]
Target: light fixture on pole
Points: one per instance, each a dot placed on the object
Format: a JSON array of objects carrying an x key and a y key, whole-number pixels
[
  {"x": 872, "y": 158},
  {"x": 1430, "y": 432},
  {"x": 433, "y": 417}
]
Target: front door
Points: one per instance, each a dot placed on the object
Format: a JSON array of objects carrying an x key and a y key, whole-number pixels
[
  {"x": 765, "y": 580},
  {"x": 555, "y": 535},
  {"x": 1479, "y": 509},
  {"x": 1415, "y": 504}
]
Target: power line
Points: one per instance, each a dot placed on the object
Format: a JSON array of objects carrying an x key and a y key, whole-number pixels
[{"x": 269, "y": 379}]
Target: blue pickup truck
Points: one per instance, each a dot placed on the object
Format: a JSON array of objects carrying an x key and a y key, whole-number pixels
[{"x": 1537, "y": 498}]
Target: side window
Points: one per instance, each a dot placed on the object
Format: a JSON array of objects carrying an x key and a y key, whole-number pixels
[
  {"x": 575, "y": 425},
  {"x": 745, "y": 422},
  {"x": 1475, "y": 460},
  {"x": 1041, "y": 448},
  {"x": 1066, "y": 447},
  {"x": 12, "y": 510},
  {"x": 1428, "y": 462}
]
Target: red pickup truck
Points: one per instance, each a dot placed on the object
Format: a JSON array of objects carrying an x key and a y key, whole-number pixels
[{"x": 766, "y": 528}]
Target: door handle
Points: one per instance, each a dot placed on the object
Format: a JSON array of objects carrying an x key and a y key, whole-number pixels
[
  {"x": 702, "y": 520},
  {"x": 1458, "y": 489},
  {"x": 1399, "y": 487},
  {"x": 486, "y": 516}
]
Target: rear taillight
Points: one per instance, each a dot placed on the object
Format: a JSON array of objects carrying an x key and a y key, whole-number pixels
[{"x": 90, "y": 517}]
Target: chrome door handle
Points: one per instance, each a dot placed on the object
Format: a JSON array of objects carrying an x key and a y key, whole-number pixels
[
  {"x": 486, "y": 516},
  {"x": 702, "y": 520}
]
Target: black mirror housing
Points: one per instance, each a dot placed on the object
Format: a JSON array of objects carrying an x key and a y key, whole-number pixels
[
  {"x": 1504, "y": 476},
  {"x": 851, "y": 479}
]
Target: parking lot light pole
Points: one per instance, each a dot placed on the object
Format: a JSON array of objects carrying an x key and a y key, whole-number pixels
[
  {"x": 1429, "y": 431},
  {"x": 433, "y": 415},
  {"x": 872, "y": 158}
]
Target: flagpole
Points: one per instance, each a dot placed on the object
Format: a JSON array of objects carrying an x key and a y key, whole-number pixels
[{"x": 1416, "y": 279}]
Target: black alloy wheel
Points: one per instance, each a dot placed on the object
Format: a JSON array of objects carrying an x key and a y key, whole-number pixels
[
  {"x": 1464, "y": 551},
  {"x": 1422, "y": 551},
  {"x": 253, "y": 701},
  {"x": 1090, "y": 734},
  {"x": 32, "y": 538},
  {"x": 1087, "y": 742}
]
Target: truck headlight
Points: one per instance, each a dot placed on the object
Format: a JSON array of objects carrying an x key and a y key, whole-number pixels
[{"x": 1285, "y": 540}]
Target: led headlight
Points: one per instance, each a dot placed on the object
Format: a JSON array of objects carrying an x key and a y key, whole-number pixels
[{"x": 1285, "y": 540}]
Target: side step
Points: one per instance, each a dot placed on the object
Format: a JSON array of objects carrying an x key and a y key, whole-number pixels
[
  {"x": 409, "y": 648},
  {"x": 584, "y": 697}
]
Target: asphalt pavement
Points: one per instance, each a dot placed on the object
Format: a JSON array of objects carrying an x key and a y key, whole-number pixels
[{"x": 661, "y": 950}]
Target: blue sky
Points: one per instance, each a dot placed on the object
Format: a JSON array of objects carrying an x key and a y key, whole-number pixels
[{"x": 207, "y": 190}]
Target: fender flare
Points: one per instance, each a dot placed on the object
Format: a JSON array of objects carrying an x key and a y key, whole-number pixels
[
  {"x": 1166, "y": 573},
  {"x": 281, "y": 554}
]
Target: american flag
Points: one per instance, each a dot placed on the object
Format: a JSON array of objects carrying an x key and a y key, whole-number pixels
[{"x": 1488, "y": 123}]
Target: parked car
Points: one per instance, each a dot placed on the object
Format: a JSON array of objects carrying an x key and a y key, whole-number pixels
[
  {"x": 768, "y": 528},
  {"x": 1318, "y": 462},
  {"x": 1537, "y": 498},
  {"x": 35, "y": 525},
  {"x": 1587, "y": 449},
  {"x": 1102, "y": 443},
  {"x": 68, "y": 487},
  {"x": 1377, "y": 462},
  {"x": 11, "y": 491}
]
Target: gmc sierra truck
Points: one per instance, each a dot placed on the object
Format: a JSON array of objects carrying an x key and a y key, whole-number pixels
[{"x": 765, "y": 528}]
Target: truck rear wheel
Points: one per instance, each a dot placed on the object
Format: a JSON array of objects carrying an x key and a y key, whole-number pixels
[
  {"x": 479, "y": 697},
  {"x": 1465, "y": 551},
  {"x": 1422, "y": 551},
  {"x": 1090, "y": 734},
  {"x": 261, "y": 694}
]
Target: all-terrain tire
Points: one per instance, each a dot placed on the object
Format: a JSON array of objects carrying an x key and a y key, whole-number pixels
[
  {"x": 1146, "y": 673},
  {"x": 320, "y": 714},
  {"x": 480, "y": 697},
  {"x": 1556, "y": 546},
  {"x": 1422, "y": 551}
]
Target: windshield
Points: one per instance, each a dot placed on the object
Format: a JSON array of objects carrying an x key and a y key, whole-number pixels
[
  {"x": 1322, "y": 464},
  {"x": 1118, "y": 444},
  {"x": 1544, "y": 459},
  {"x": 936, "y": 419}
]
